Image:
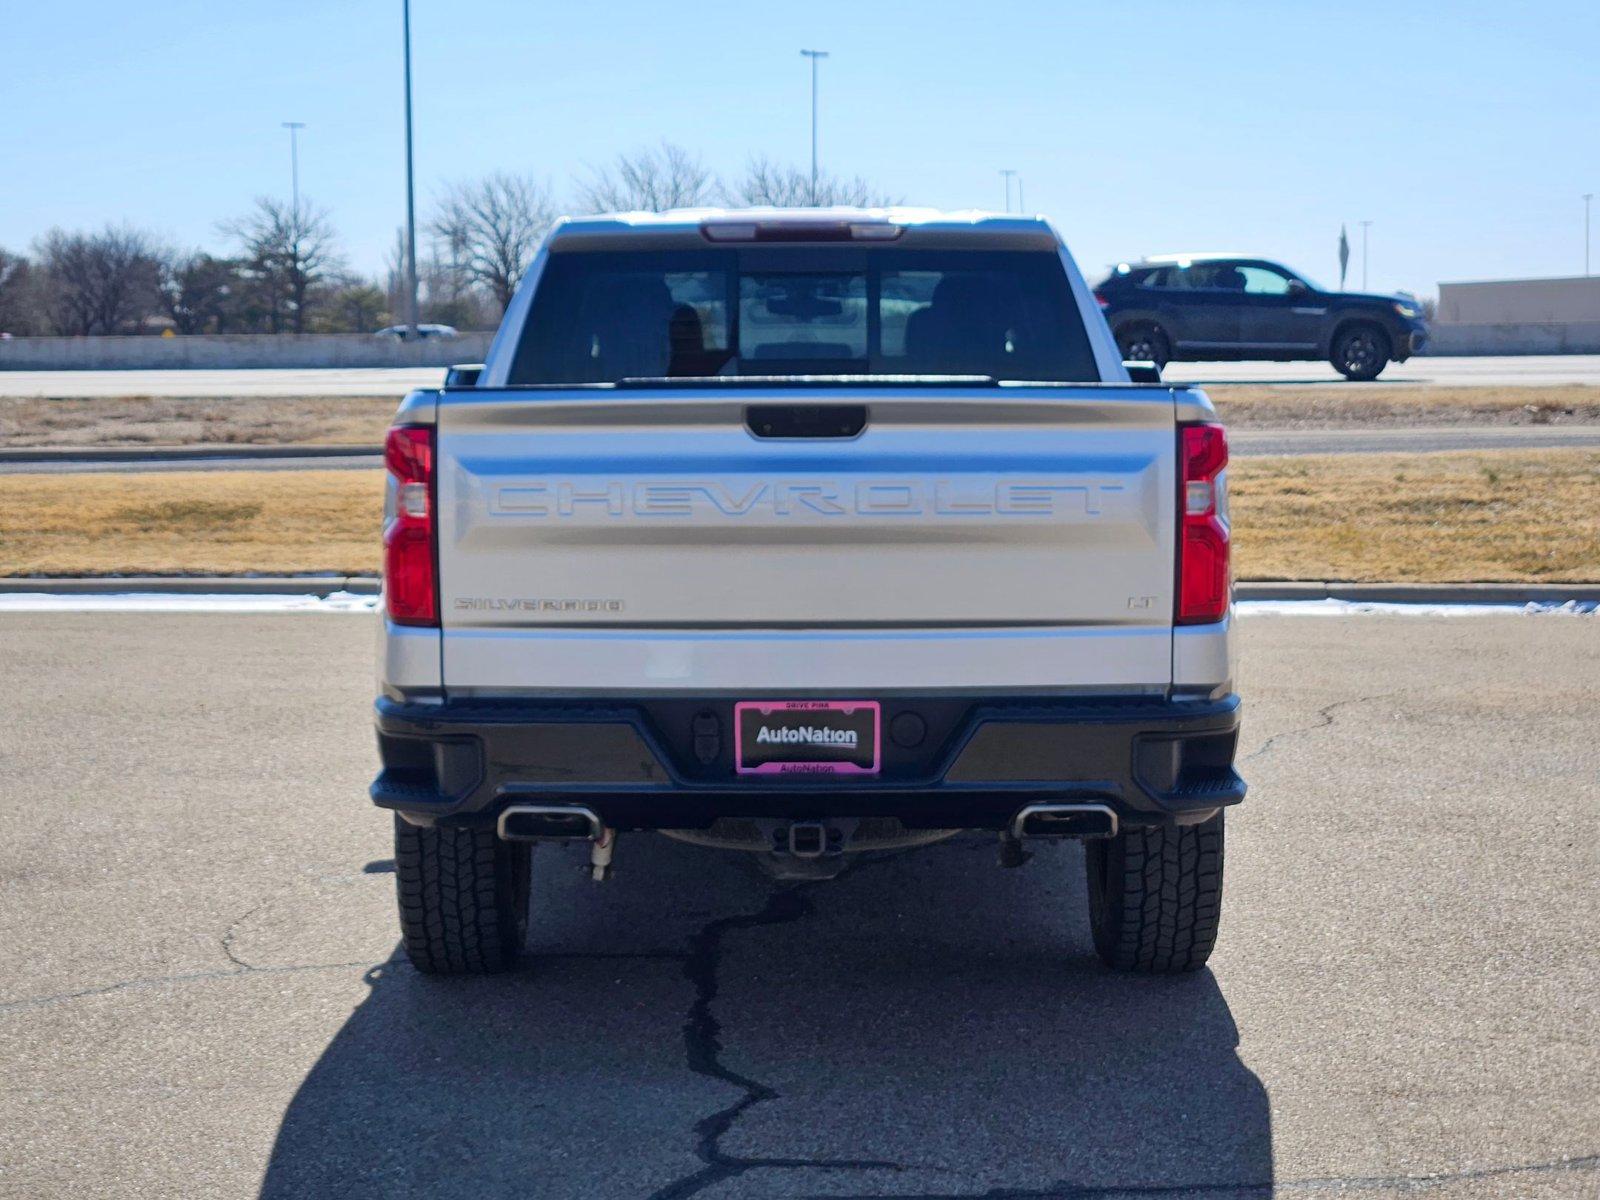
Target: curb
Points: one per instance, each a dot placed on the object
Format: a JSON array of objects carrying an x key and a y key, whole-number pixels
[
  {"x": 120, "y": 454},
  {"x": 323, "y": 585}
]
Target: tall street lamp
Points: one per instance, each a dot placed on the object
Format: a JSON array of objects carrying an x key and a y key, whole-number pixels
[
  {"x": 411, "y": 196},
  {"x": 814, "y": 56},
  {"x": 1587, "y": 196},
  {"x": 294, "y": 128},
  {"x": 1012, "y": 175}
]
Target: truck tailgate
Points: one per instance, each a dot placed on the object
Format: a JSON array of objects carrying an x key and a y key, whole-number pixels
[{"x": 953, "y": 512}]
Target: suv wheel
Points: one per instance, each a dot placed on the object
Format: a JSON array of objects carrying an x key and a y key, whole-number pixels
[
  {"x": 463, "y": 898},
  {"x": 1144, "y": 343},
  {"x": 1360, "y": 352},
  {"x": 1155, "y": 896}
]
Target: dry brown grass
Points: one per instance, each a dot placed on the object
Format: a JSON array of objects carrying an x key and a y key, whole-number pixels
[
  {"x": 131, "y": 421},
  {"x": 1374, "y": 406},
  {"x": 201, "y": 522},
  {"x": 1515, "y": 516},
  {"x": 1523, "y": 516}
]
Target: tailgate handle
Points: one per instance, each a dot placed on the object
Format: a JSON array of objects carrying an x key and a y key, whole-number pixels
[{"x": 805, "y": 420}]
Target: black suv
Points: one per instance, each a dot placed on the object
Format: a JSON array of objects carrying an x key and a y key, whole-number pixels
[{"x": 1210, "y": 307}]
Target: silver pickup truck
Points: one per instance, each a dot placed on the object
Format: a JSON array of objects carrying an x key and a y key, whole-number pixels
[{"x": 801, "y": 534}]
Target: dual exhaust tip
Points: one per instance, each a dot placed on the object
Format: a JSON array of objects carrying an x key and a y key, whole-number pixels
[
  {"x": 550, "y": 822},
  {"x": 573, "y": 822}
]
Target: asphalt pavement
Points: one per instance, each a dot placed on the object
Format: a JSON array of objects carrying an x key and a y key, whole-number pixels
[
  {"x": 1489, "y": 371},
  {"x": 204, "y": 995}
]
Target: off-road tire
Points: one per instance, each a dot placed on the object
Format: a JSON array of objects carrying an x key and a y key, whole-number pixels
[
  {"x": 463, "y": 899},
  {"x": 1144, "y": 342},
  {"x": 1360, "y": 351},
  {"x": 1155, "y": 896}
]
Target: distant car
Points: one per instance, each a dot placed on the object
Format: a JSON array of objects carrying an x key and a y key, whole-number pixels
[
  {"x": 424, "y": 332},
  {"x": 1206, "y": 307}
]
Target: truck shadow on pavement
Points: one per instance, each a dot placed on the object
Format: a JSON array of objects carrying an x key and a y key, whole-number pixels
[{"x": 927, "y": 1025}]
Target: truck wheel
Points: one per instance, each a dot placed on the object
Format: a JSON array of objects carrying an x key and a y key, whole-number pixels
[
  {"x": 1360, "y": 352},
  {"x": 463, "y": 898},
  {"x": 1143, "y": 342},
  {"x": 1155, "y": 896}
]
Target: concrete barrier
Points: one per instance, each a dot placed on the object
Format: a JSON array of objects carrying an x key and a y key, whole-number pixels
[
  {"x": 1573, "y": 337},
  {"x": 230, "y": 351}
]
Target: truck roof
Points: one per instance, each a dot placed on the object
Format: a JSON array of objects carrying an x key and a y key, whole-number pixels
[
  {"x": 696, "y": 220},
  {"x": 1192, "y": 256}
]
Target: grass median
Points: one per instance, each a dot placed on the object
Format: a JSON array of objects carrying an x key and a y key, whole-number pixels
[
  {"x": 1507, "y": 516},
  {"x": 130, "y": 422}
]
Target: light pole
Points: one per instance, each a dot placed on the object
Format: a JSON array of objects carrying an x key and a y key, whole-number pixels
[
  {"x": 294, "y": 128},
  {"x": 1364, "y": 226},
  {"x": 1587, "y": 196},
  {"x": 814, "y": 55},
  {"x": 411, "y": 198},
  {"x": 1008, "y": 174}
]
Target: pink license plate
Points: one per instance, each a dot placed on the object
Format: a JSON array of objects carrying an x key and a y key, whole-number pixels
[{"x": 806, "y": 737}]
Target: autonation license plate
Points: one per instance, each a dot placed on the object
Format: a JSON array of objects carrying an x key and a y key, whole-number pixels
[{"x": 806, "y": 737}]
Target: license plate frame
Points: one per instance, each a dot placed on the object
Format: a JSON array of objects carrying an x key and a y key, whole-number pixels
[{"x": 803, "y": 753}]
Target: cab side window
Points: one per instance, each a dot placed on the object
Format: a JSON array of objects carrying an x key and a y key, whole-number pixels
[{"x": 1264, "y": 281}]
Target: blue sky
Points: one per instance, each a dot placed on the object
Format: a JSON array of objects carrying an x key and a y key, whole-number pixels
[{"x": 1466, "y": 132}]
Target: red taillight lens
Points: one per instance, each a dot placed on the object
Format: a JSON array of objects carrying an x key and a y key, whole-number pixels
[
  {"x": 409, "y": 584},
  {"x": 1101, "y": 300},
  {"x": 1204, "y": 572}
]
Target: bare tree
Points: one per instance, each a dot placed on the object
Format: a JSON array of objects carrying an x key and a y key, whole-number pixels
[
  {"x": 289, "y": 252},
  {"x": 103, "y": 282},
  {"x": 769, "y": 183},
  {"x": 22, "y": 303},
  {"x": 445, "y": 293},
  {"x": 649, "y": 181},
  {"x": 490, "y": 229}
]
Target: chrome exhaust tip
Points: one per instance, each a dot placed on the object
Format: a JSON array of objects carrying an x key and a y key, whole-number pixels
[
  {"x": 549, "y": 822},
  {"x": 1065, "y": 820}
]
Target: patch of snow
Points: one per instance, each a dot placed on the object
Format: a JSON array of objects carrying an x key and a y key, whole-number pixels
[{"x": 158, "y": 602}]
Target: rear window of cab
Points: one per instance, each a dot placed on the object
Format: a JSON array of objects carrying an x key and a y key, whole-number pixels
[{"x": 607, "y": 316}]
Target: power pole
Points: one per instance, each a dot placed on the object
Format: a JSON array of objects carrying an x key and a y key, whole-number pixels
[
  {"x": 814, "y": 55},
  {"x": 411, "y": 194},
  {"x": 294, "y": 128},
  {"x": 1022, "y": 209},
  {"x": 1008, "y": 174},
  {"x": 1364, "y": 226},
  {"x": 1587, "y": 196}
]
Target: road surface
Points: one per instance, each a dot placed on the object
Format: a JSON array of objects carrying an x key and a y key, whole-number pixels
[
  {"x": 203, "y": 994},
  {"x": 1543, "y": 370}
]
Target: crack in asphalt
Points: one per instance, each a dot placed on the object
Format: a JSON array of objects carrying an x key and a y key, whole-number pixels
[
  {"x": 145, "y": 981},
  {"x": 1334, "y": 1183},
  {"x": 703, "y": 1051},
  {"x": 238, "y": 967},
  {"x": 232, "y": 931},
  {"x": 1325, "y": 718}
]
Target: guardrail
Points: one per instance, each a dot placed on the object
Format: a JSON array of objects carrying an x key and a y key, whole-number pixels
[
  {"x": 1577, "y": 337},
  {"x": 228, "y": 351}
]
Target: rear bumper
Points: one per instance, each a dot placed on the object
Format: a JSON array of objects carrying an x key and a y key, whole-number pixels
[{"x": 947, "y": 762}]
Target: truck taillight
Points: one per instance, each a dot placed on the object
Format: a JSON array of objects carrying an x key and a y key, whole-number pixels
[
  {"x": 1204, "y": 574},
  {"x": 1101, "y": 301},
  {"x": 410, "y": 585}
]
